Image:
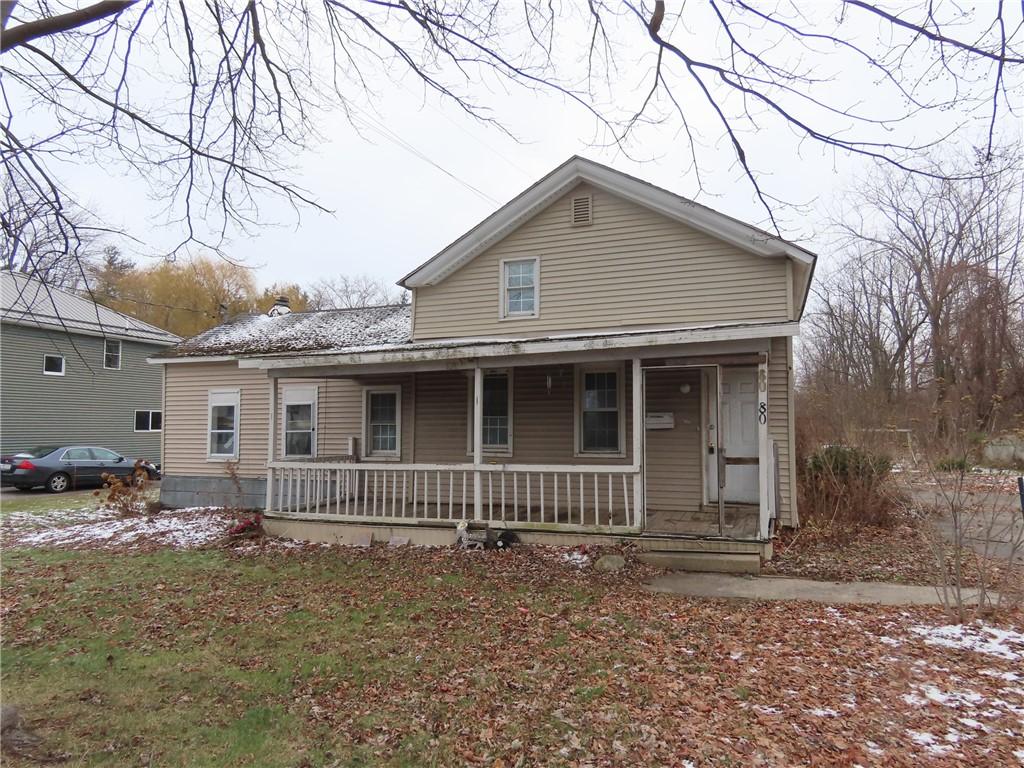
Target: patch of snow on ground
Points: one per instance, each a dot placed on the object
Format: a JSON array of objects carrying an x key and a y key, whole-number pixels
[
  {"x": 823, "y": 712},
  {"x": 948, "y": 699},
  {"x": 579, "y": 559},
  {"x": 980, "y": 637},
  {"x": 180, "y": 529}
]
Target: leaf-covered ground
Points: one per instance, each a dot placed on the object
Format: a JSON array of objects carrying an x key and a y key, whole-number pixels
[
  {"x": 316, "y": 656},
  {"x": 904, "y": 554}
]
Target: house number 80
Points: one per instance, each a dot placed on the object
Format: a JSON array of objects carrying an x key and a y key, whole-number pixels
[{"x": 762, "y": 412}]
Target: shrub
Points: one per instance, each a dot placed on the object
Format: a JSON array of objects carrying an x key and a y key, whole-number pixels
[
  {"x": 844, "y": 485},
  {"x": 951, "y": 464},
  {"x": 126, "y": 496}
]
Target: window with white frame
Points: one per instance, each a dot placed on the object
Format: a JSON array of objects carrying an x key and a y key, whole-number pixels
[
  {"x": 149, "y": 421},
  {"x": 497, "y": 413},
  {"x": 53, "y": 365},
  {"x": 599, "y": 423},
  {"x": 223, "y": 425},
  {"x": 383, "y": 422},
  {"x": 112, "y": 354},
  {"x": 300, "y": 421},
  {"x": 519, "y": 287}
]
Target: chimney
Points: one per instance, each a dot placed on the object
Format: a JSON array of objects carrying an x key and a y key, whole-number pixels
[{"x": 280, "y": 307}]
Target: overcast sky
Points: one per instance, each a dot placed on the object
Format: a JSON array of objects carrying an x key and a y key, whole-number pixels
[{"x": 419, "y": 172}]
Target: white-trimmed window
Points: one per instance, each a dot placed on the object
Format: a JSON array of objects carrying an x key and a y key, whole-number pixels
[
  {"x": 112, "y": 354},
  {"x": 382, "y": 422},
  {"x": 497, "y": 413},
  {"x": 600, "y": 411},
  {"x": 53, "y": 365},
  {"x": 223, "y": 424},
  {"x": 520, "y": 288},
  {"x": 300, "y": 420},
  {"x": 149, "y": 421}
]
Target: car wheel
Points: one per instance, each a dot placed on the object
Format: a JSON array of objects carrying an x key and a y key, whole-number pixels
[{"x": 58, "y": 482}]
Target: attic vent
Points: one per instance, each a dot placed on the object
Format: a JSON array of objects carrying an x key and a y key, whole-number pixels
[{"x": 582, "y": 213}]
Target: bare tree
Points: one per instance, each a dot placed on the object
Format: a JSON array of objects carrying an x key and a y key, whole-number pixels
[
  {"x": 345, "y": 292},
  {"x": 209, "y": 101},
  {"x": 930, "y": 295}
]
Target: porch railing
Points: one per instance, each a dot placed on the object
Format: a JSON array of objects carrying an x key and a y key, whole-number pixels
[{"x": 513, "y": 495}]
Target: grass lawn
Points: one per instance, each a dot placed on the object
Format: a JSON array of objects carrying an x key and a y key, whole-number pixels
[
  {"x": 40, "y": 502},
  {"x": 337, "y": 656}
]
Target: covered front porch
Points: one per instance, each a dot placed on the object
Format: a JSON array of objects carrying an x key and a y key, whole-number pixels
[{"x": 544, "y": 443}]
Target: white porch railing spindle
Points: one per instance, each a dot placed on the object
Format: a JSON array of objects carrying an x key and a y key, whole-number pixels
[{"x": 528, "y": 500}]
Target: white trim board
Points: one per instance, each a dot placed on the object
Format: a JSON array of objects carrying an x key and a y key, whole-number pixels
[{"x": 576, "y": 170}]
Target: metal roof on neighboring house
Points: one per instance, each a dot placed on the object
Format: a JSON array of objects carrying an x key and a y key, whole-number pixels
[
  {"x": 27, "y": 301},
  {"x": 325, "y": 329}
]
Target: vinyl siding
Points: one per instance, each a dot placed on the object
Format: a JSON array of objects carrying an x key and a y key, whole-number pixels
[
  {"x": 89, "y": 404},
  {"x": 630, "y": 268},
  {"x": 673, "y": 470},
  {"x": 186, "y": 418},
  {"x": 780, "y": 422}
]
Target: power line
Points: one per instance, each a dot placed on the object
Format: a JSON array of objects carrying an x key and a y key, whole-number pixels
[{"x": 373, "y": 125}]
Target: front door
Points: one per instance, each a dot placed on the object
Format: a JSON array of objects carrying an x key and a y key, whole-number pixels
[{"x": 739, "y": 434}]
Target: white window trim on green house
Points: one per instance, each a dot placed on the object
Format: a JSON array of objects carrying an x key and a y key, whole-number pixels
[
  {"x": 63, "y": 365},
  {"x": 220, "y": 398},
  {"x": 149, "y": 420},
  {"x": 112, "y": 354}
]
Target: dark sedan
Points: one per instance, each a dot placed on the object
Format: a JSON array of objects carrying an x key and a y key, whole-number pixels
[{"x": 61, "y": 467}]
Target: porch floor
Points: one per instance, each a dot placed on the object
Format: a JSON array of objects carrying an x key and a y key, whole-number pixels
[{"x": 740, "y": 521}]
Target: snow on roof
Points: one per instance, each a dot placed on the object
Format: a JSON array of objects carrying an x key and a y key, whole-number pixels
[
  {"x": 27, "y": 301},
  {"x": 302, "y": 332}
]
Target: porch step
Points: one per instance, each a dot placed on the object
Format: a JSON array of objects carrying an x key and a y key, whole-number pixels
[{"x": 711, "y": 562}]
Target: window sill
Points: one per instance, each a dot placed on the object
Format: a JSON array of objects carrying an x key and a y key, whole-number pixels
[
  {"x": 372, "y": 457},
  {"x": 533, "y": 316},
  {"x": 221, "y": 459}
]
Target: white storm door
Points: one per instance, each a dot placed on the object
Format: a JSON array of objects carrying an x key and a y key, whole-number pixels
[{"x": 740, "y": 434}]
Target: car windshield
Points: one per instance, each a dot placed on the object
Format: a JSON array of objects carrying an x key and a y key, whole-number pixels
[{"x": 38, "y": 453}]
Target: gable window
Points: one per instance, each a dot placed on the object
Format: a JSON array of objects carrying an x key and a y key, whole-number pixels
[
  {"x": 382, "y": 422},
  {"x": 300, "y": 421},
  {"x": 149, "y": 421},
  {"x": 53, "y": 365},
  {"x": 600, "y": 412},
  {"x": 497, "y": 413},
  {"x": 112, "y": 354},
  {"x": 520, "y": 296},
  {"x": 223, "y": 424}
]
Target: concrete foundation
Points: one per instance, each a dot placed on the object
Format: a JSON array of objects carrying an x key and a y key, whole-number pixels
[
  {"x": 178, "y": 491},
  {"x": 690, "y": 554}
]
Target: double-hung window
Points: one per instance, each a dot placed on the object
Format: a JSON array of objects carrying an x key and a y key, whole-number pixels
[
  {"x": 497, "y": 413},
  {"x": 382, "y": 433},
  {"x": 599, "y": 398},
  {"x": 300, "y": 421},
  {"x": 520, "y": 294},
  {"x": 112, "y": 354},
  {"x": 223, "y": 424}
]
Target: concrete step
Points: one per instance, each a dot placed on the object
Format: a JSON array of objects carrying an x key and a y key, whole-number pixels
[{"x": 710, "y": 562}]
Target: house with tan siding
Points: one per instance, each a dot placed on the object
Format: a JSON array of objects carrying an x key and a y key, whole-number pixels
[{"x": 598, "y": 359}]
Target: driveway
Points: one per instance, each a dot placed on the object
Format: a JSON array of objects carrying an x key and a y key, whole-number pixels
[{"x": 996, "y": 529}]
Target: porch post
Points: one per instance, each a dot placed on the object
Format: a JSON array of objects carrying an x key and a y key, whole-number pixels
[
  {"x": 271, "y": 435},
  {"x": 478, "y": 453},
  {"x": 764, "y": 457},
  {"x": 639, "y": 427}
]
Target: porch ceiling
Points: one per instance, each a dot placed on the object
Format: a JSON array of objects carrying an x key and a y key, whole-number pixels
[{"x": 501, "y": 352}]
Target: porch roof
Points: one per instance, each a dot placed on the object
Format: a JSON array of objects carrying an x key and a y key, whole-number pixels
[{"x": 451, "y": 351}]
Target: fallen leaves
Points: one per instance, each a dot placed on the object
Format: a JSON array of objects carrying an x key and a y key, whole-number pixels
[{"x": 385, "y": 656}]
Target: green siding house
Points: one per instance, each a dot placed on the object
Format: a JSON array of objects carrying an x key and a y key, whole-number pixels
[{"x": 73, "y": 371}]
